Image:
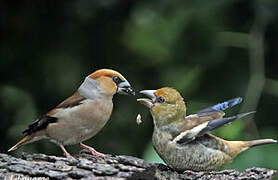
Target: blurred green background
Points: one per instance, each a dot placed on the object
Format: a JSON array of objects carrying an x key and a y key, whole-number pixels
[{"x": 210, "y": 51}]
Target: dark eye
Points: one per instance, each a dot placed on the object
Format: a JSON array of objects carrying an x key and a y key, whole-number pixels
[
  {"x": 160, "y": 99},
  {"x": 116, "y": 79}
]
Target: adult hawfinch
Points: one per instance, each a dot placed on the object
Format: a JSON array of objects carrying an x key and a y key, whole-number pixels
[{"x": 82, "y": 115}]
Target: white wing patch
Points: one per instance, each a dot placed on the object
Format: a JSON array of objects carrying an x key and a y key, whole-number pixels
[{"x": 190, "y": 134}]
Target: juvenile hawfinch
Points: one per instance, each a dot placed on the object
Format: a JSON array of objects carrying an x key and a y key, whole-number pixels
[
  {"x": 183, "y": 142},
  {"x": 82, "y": 115}
]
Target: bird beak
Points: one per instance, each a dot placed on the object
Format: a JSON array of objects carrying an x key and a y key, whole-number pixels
[
  {"x": 145, "y": 101},
  {"x": 125, "y": 88}
]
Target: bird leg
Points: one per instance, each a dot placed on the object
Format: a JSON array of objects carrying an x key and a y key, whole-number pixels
[
  {"x": 66, "y": 152},
  {"x": 91, "y": 150}
]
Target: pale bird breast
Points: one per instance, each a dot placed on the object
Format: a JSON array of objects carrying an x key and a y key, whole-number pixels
[{"x": 98, "y": 110}]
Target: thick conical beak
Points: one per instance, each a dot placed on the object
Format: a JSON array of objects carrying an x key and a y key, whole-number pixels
[
  {"x": 145, "y": 101},
  {"x": 125, "y": 88}
]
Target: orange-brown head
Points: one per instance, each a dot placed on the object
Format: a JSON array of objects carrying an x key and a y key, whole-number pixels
[
  {"x": 166, "y": 105},
  {"x": 105, "y": 82}
]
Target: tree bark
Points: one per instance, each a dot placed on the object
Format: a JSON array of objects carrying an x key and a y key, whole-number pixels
[{"x": 86, "y": 166}]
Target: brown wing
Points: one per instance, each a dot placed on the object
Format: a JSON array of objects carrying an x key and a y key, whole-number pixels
[
  {"x": 192, "y": 121},
  {"x": 195, "y": 119},
  {"x": 43, "y": 121},
  {"x": 72, "y": 101},
  {"x": 209, "y": 113},
  {"x": 203, "y": 128}
]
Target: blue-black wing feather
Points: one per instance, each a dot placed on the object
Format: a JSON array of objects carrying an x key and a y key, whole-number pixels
[{"x": 221, "y": 106}]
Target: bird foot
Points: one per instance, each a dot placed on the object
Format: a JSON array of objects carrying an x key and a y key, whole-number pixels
[
  {"x": 92, "y": 150},
  {"x": 194, "y": 172},
  {"x": 68, "y": 155}
]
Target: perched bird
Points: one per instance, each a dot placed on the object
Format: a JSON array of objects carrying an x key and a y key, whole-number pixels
[
  {"x": 82, "y": 115},
  {"x": 183, "y": 142}
]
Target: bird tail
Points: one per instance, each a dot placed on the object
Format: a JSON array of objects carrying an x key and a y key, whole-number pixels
[
  {"x": 258, "y": 142},
  {"x": 25, "y": 140},
  {"x": 236, "y": 147}
]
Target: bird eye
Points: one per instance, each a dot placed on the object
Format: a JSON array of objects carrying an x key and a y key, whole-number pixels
[
  {"x": 116, "y": 79},
  {"x": 160, "y": 99}
]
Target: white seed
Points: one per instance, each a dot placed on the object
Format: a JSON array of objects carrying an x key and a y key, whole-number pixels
[{"x": 139, "y": 119}]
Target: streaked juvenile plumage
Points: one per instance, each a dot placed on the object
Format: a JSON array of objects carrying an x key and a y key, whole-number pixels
[
  {"x": 182, "y": 141},
  {"x": 82, "y": 115}
]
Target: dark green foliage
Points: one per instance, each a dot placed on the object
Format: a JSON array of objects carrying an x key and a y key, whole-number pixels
[{"x": 210, "y": 51}]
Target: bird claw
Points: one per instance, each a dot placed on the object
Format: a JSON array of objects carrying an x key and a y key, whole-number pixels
[
  {"x": 95, "y": 153},
  {"x": 91, "y": 150},
  {"x": 194, "y": 172}
]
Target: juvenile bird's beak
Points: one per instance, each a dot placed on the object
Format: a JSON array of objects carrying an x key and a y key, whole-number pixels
[
  {"x": 145, "y": 101},
  {"x": 125, "y": 88}
]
